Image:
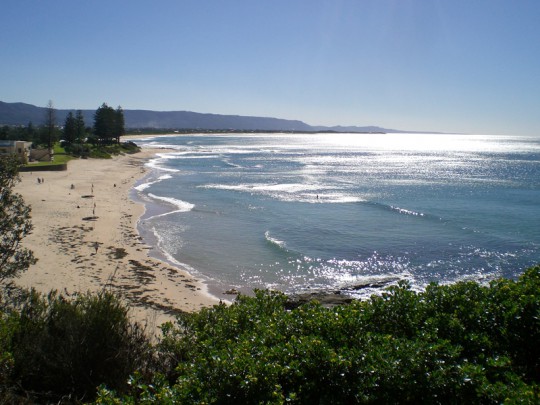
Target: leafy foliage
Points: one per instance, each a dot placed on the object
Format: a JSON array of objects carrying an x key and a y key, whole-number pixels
[
  {"x": 80, "y": 127},
  {"x": 108, "y": 124},
  {"x": 70, "y": 129},
  {"x": 59, "y": 348},
  {"x": 461, "y": 343},
  {"x": 106, "y": 151},
  {"x": 74, "y": 130},
  {"x": 14, "y": 223}
]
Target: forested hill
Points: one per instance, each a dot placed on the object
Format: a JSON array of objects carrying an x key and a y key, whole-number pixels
[{"x": 22, "y": 114}]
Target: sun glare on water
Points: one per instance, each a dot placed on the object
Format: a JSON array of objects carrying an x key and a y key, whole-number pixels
[{"x": 422, "y": 142}]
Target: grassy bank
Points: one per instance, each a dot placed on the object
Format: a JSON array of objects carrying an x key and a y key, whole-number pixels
[{"x": 63, "y": 155}]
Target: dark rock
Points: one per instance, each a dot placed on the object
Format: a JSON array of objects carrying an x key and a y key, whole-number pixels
[
  {"x": 375, "y": 284},
  {"x": 327, "y": 299}
]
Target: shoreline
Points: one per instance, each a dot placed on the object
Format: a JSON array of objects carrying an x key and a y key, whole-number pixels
[{"x": 86, "y": 238}]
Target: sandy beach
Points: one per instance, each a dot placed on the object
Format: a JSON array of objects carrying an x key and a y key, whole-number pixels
[{"x": 85, "y": 239}]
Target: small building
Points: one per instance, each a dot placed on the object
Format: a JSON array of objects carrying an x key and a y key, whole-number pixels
[{"x": 19, "y": 148}]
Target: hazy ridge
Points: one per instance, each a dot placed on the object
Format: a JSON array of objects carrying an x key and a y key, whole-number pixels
[{"x": 22, "y": 114}]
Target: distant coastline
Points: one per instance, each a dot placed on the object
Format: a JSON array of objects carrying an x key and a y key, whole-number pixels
[{"x": 186, "y": 121}]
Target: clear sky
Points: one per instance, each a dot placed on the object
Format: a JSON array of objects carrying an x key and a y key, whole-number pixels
[{"x": 468, "y": 66}]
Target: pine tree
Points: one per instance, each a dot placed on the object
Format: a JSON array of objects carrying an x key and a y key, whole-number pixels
[
  {"x": 70, "y": 129},
  {"x": 50, "y": 124},
  {"x": 80, "y": 128},
  {"x": 31, "y": 133},
  {"x": 108, "y": 124},
  {"x": 104, "y": 123},
  {"x": 119, "y": 124}
]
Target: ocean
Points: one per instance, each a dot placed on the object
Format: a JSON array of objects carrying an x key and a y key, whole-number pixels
[{"x": 354, "y": 212}]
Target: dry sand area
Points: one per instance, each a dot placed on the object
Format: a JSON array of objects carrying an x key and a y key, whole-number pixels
[{"x": 85, "y": 239}]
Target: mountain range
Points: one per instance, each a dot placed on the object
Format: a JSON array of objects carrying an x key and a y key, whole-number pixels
[{"x": 22, "y": 114}]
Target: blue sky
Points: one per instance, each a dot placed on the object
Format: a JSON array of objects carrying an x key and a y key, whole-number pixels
[{"x": 440, "y": 65}]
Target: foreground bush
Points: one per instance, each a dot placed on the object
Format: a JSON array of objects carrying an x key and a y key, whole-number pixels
[
  {"x": 55, "y": 348},
  {"x": 461, "y": 343}
]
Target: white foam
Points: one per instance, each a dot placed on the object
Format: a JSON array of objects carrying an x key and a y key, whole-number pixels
[
  {"x": 231, "y": 164},
  {"x": 264, "y": 188},
  {"x": 288, "y": 187},
  {"x": 160, "y": 244},
  {"x": 274, "y": 241},
  {"x": 157, "y": 164},
  {"x": 239, "y": 187},
  {"x": 144, "y": 186},
  {"x": 160, "y": 145},
  {"x": 291, "y": 192},
  {"x": 406, "y": 212},
  {"x": 339, "y": 198},
  {"x": 182, "y": 206}
]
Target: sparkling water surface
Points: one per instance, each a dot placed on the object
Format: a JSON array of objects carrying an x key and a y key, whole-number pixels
[{"x": 304, "y": 211}]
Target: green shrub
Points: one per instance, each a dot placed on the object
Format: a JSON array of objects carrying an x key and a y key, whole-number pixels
[
  {"x": 107, "y": 151},
  {"x": 65, "y": 348},
  {"x": 7, "y": 326},
  {"x": 461, "y": 343},
  {"x": 78, "y": 149}
]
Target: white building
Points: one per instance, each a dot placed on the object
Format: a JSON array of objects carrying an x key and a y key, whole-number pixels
[{"x": 19, "y": 148}]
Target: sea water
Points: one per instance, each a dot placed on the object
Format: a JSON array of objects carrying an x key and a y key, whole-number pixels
[{"x": 308, "y": 211}]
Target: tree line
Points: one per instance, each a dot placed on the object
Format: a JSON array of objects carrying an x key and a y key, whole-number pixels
[{"x": 108, "y": 127}]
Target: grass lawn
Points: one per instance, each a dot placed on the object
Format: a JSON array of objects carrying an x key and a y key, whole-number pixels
[
  {"x": 60, "y": 158},
  {"x": 98, "y": 152}
]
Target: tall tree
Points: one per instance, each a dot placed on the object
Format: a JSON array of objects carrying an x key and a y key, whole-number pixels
[
  {"x": 80, "y": 127},
  {"x": 14, "y": 223},
  {"x": 104, "y": 123},
  {"x": 4, "y": 132},
  {"x": 50, "y": 123},
  {"x": 70, "y": 129},
  {"x": 31, "y": 132},
  {"x": 109, "y": 124},
  {"x": 119, "y": 124}
]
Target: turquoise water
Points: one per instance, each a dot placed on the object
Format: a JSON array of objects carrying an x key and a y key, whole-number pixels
[{"x": 299, "y": 211}]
